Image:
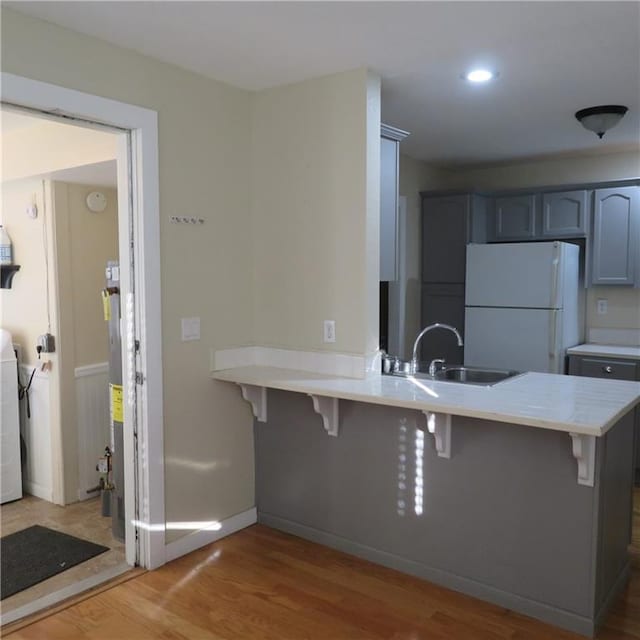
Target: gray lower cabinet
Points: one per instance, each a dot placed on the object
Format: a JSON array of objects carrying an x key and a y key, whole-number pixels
[
  {"x": 515, "y": 218},
  {"x": 442, "y": 303},
  {"x": 613, "y": 369},
  {"x": 616, "y": 236},
  {"x": 565, "y": 214},
  {"x": 503, "y": 519}
]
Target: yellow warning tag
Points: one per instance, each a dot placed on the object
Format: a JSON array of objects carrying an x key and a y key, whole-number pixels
[
  {"x": 117, "y": 413},
  {"x": 106, "y": 305}
]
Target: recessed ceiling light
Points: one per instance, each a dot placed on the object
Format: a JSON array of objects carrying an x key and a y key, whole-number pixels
[{"x": 480, "y": 75}]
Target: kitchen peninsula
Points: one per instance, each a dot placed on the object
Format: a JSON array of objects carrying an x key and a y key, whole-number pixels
[{"x": 518, "y": 493}]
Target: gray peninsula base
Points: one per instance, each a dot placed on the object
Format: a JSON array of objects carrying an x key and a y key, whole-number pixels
[{"x": 503, "y": 519}]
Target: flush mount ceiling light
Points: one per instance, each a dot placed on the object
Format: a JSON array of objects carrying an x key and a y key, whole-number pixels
[
  {"x": 601, "y": 119},
  {"x": 479, "y": 76}
]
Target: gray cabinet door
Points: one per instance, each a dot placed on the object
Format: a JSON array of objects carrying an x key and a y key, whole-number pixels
[
  {"x": 515, "y": 218},
  {"x": 616, "y": 236},
  {"x": 442, "y": 303},
  {"x": 445, "y": 233},
  {"x": 565, "y": 214},
  {"x": 388, "y": 208}
]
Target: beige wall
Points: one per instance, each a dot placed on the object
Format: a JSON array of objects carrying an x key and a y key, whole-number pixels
[
  {"x": 87, "y": 240},
  {"x": 24, "y": 306},
  {"x": 315, "y": 151},
  {"x": 623, "y": 308},
  {"x": 206, "y": 272},
  {"x": 563, "y": 169},
  {"x": 49, "y": 146}
]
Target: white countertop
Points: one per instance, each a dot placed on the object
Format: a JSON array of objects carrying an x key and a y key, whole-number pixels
[
  {"x": 563, "y": 403},
  {"x": 605, "y": 351}
]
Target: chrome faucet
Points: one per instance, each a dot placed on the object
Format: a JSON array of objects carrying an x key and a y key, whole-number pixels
[{"x": 437, "y": 325}]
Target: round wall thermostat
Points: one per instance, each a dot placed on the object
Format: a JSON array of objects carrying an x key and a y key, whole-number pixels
[{"x": 96, "y": 201}]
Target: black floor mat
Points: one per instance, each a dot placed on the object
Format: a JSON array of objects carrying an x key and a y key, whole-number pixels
[{"x": 37, "y": 553}]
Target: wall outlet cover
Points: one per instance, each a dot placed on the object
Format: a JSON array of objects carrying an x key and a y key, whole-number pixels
[
  {"x": 602, "y": 306},
  {"x": 329, "y": 330}
]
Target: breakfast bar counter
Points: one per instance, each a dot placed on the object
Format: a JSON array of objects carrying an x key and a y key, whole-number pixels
[
  {"x": 519, "y": 493},
  {"x": 563, "y": 403}
]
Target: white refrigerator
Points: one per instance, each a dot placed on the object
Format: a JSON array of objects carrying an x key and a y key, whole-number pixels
[{"x": 521, "y": 305}]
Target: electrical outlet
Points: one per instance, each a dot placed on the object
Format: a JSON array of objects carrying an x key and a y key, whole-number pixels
[
  {"x": 329, "y": 330},
  {"x": 603, "y": 306}
]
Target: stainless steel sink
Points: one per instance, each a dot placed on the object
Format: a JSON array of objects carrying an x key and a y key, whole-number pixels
[
  {"x": 464, "y": 375},
  {"x": 474, "y": 375}
]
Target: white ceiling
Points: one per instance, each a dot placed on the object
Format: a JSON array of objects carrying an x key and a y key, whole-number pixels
[
  {"x": 99, "y": 174},
  {"x": 553, "y": 57}
]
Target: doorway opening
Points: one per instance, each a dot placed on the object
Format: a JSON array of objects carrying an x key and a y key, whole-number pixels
[{"x": 132, "y": 406}]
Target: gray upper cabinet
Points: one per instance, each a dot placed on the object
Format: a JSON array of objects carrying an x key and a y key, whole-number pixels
[
  {"x": 389, "y": 163},
  {"x": 616, "y": 236},
  {"x": 445, "y": 233},
  {"x": 565, "y": 214},
  {"x": 515, "y": 217}
]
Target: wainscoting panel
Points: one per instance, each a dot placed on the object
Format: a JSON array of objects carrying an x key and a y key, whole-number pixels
[
  {"x": 92, "y": 410},
  {"x": 36, "y": 431}
]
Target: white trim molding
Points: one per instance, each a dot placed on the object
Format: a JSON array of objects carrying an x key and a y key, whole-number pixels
[
  {"x": 214, "y": 531},
  {"x": 138, "y": 203},
  {"x": 322, "y": 362}
]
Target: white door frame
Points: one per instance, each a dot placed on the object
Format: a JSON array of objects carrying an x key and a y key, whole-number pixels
[{"x": 138, "y": 188}]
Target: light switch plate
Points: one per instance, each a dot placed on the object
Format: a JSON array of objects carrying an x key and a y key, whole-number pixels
[{"x": 190, "y": 329}]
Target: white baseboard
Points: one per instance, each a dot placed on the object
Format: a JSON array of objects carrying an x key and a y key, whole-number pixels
[
  {"x": 198, "y": 539},
  {"x": 324, "y": 362},
  {"x": 33, "y": 489}
]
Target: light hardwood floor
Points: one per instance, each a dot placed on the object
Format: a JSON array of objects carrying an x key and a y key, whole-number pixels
[
  {"x": 264, "y": 584},
  {"x": 81, "y": 519}
]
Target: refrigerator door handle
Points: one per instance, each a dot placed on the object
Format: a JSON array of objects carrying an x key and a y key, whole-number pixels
[
  {"x": 553, "y": 322},
  {"x": 554, "y": 275}
]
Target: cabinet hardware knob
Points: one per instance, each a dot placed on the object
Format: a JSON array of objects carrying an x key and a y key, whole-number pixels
[{"x": 607, "y": 369}]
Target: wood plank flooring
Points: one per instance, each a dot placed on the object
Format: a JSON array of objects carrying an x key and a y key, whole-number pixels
[{"x": 263, "y": 584}]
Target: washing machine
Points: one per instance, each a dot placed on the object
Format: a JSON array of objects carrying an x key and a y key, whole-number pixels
[{"x": 10, "y": 465}]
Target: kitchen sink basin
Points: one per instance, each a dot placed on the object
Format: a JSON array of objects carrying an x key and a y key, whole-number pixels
[
  {"x": 465, "y": 375},
  {"x": 474, "y": 375}
]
